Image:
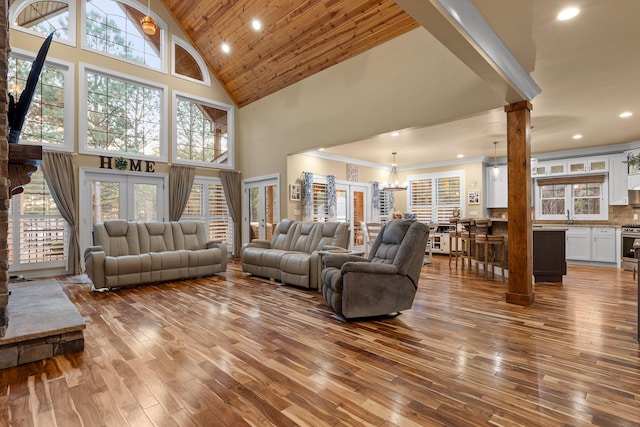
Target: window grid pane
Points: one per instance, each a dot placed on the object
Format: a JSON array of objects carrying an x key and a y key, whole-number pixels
[
  {"x": 122, "y": 116},
  {"x": 320, "y": 211},
  {"x": 216, "y": 214},
  {"x": 201, "y": 132}
]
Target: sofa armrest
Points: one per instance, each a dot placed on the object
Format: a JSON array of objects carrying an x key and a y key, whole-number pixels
[
  {"x": 259, "y": 243},
  {"x": 336, "y": 249},
  {"x": 94, "y": 259},
  {"x": 217, "y": 244},
  {"x": 337, "y": 260},
  {"x": 212, "y": 244},
  {"x": 369, "y": 268}
]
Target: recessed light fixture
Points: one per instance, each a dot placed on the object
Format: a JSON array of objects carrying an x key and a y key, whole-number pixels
[
  {"x": 577, "y": 136},
  {"x": 395, "y": 133},
  {"x": 321, "y": 149},
  {"x": 256, "y": 24},
  {"x": 568, "y": 13},
  {"x": 626, "y": 114},
  {"x": 460, "y": 156},
  {"x": 225, "y": 48}
]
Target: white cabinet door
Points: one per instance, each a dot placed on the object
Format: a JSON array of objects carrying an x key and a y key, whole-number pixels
[
  {"x": 579, "y": 243},
  {"x": 498, "y": 188},
  {"x": 618, "y": 193},
  {"x": 603, "y": 247}
]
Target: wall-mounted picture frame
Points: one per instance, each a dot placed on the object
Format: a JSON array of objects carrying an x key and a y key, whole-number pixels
[
  {"x": 473, "y": 197},
  {"x": 294, "y": 192},
  {"x": 352, "y": 172}
]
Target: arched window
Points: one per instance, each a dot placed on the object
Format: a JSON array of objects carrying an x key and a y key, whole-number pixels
[
  {"x": 113, "y": 28},
  {"x": 45, "y": 17},
  {"x": 187, "y": 63}
]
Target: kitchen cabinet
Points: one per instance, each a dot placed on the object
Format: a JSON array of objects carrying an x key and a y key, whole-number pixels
[
  {"x": 618, "y": 193},
  {"x": 552, "y": 168},
  {"x": 497, "y": 188},
  {"x": 579, "y": 243},
  {"x": 603, "y": 244},
  {"x": 549, "y": 259},
  {"x": 591, "y": 244},
  {"x": 587, "y": 165}
]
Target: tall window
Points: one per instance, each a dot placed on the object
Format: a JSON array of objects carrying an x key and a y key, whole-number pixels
[
  {"x": 580, "y": 198},
  {"x": 37, "y": 233},
  {"x": 123, "y": 116},
  {"x": 46, "y": 122},
  {"x": 113, "y": 28},
  {"x": 202, "y": 132},
  {"x": 433, "y": 198},
  {"x": 207, "y": 203},
  {"x": 45, "y": 17},
  {"x": 187, "y": 63}
]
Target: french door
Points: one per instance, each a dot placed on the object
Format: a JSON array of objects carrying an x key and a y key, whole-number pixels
[
  {"x": 351, "y": 207},
  {"x": 260, "y": 205},
  {"x": 107, "y": 195}
]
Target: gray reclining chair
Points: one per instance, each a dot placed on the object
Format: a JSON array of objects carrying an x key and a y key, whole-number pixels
[{"x": 386, "y": 281}]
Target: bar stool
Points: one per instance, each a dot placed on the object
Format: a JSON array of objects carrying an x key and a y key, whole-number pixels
[
  {"x": 490, "y": 245},
  {"x": 467, "y": 240},
  {"x": 454, "y": 238}
]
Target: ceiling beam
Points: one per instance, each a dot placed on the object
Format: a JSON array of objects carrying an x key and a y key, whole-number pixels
[{"x": 459, "y": 26}]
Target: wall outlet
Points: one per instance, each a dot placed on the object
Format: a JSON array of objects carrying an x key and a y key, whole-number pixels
[
  {"x": 635, "y": 217},
  {"x": 474, "y": 213}
]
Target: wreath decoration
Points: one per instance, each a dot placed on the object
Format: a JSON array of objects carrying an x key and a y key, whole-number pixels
[{"x": 121, "y": 163}]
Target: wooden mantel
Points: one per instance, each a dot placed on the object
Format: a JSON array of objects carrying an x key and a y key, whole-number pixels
[{"x": 23, "y": 161}]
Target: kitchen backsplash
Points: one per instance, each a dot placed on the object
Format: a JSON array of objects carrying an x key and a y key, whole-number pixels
[{"x": 618, "y": 215}]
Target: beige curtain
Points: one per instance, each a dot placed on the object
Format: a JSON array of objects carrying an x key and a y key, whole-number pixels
[
  {"x": 180, "y": 184},
  {"x": 59, "y": 174},
  {"x": 231, "y": 186}
]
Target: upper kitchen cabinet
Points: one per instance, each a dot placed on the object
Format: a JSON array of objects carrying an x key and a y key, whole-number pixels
[
  {"x": 587, "y": 165},
  {"x": 551, "y": 168},
  {"x": 618, "y": 193}
]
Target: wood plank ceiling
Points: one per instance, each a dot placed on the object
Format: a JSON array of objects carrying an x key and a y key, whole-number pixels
[{"x": 297, "y": 40}]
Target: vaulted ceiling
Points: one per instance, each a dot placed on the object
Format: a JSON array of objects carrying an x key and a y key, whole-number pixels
[{"x": 297, "y": 39}]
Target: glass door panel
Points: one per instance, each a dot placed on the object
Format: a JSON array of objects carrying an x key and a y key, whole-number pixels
[
  {"x": 105, "y": 200},
  {"x": 260, "y": 197},
  {"x": 358, "y": 198},
  {"x": 145, "y": 202}
]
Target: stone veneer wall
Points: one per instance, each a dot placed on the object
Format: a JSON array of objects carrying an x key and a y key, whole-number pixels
[{"x": 4, "y": 158}]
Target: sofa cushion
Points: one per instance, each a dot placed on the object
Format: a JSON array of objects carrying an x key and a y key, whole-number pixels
[
  {"x": 155, "y": 236},
  {"x": 283, "y": 234},
  {"x": 189, "y": 235},
  {"x": 303, "y": 236},
  {"x": 330, "y": 234}
]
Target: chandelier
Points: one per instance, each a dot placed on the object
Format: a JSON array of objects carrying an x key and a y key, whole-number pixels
[
  {"x": 147, "y": 23},
  {"x": 393, "y": 183}
]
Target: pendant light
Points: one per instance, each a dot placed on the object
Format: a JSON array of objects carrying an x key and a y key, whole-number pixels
[
  {"x": 495, "y": 170},
  {"x": 394, "y": 182},
  {"x": 147, "y": 23}
]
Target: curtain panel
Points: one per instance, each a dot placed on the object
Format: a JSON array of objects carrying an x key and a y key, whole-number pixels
[
  {"x": 307, "y": 196},
  {"x": 59, "y": 174},
  {"x": 180, "y": 184},
  {"x": 232, "y": 191}
]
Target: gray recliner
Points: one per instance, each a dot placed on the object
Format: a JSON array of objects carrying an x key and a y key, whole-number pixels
[{"x": 385, "y": 282}]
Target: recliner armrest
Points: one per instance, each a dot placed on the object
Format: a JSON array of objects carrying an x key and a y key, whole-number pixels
[
  {"x": 259, "y": 243},
  {"x": 92, "y": 249},
  {"x": 369, "y": 268},
  {"x": 337, "y": 260}
]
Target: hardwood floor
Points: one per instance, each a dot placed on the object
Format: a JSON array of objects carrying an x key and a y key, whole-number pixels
[{"x": 233, "y": 350}]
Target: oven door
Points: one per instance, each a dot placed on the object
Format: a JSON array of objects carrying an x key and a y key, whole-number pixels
[{"x": 628, "y": 252}]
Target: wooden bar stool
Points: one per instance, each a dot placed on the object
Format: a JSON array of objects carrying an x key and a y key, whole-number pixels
[
  {"x": 467, "y": 240},
  {"x": 454, "y": 238},
  {"x": 487, "y": 247}
]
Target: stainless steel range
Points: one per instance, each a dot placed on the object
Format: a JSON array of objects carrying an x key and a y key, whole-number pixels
[{"x": 630, "y": 243}]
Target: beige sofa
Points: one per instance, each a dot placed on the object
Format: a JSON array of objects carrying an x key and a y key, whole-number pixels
[
  {"x": 131, "y": 253},
  {"x": 291, "y": 255}
]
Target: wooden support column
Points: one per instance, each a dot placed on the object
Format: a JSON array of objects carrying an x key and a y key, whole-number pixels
[{"x": 520, "y": 288}]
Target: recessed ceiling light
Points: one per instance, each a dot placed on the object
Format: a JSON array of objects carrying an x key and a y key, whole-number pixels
[
  {"x": 460, "y": 156},
  {"x": 225, "y": 48},
  {"x": 256, "y": 24},
  {"x": 568, "y": 13},
  {"x": 321, "y": 149},
  {"x": 577, "y": 136},
  {"x": 396, "y": 133},
  {"x": 626, "y": 114}
]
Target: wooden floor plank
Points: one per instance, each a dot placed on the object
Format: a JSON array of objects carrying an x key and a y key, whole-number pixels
[{"x": 238, "y": 350}]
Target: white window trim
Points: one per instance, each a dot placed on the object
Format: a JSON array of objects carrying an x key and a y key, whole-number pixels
[
  {"x": 437, "y": 175},
  {"x": 69, "y": 98},
  {"x": 142, "y": 8},
  {"x": 230, "y": 131},
  {"x": 82, "y": 112},
  {"x": 568, "y": 198},
  {"x": 19, "y": 5},
  {"x": 175, "y": 40}
]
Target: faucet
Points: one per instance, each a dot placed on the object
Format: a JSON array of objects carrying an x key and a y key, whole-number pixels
[{"x": 569, "y": 220}]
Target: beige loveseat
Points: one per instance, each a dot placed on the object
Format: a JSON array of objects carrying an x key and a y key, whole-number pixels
[
  {"x": 291, "y": 255},
  {"x": 131, "y": 253}
]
